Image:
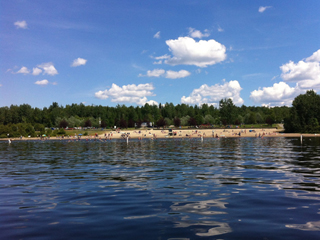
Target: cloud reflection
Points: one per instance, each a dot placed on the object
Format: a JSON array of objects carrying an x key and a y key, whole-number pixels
[
  {"x": 202, "y": 208},
  {"x": 218, "y": 228},
  {"x": 309, "y": 226}
]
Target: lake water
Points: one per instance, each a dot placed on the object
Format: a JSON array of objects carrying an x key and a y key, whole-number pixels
[{"x": 177, "y": 189}]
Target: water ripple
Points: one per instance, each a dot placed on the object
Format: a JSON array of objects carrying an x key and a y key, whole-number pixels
[{"x": 245, "y": 188}]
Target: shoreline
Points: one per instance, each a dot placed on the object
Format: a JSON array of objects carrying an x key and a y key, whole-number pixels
[{"x": 177, "y": 133}]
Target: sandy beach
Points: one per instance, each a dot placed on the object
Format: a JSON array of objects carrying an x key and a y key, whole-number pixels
[{"x": 177, "y": 133}]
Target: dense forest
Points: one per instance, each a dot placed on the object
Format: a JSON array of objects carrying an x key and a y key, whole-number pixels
[{"x": 24, "y": 120}]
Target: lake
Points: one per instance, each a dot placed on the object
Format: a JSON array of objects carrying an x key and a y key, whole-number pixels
[{"x": 172, "y": 189}]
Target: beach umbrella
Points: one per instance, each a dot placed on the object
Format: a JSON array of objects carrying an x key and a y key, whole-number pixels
[
  {"x": 80, "y": 134},
  {"x": 44, "y": 135}
]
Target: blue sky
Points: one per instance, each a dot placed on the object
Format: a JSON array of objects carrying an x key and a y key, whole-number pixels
[{"x": 135, "y": 52}]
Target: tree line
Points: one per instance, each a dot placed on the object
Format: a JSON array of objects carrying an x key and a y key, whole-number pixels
[{"x": 303, "y": 116}]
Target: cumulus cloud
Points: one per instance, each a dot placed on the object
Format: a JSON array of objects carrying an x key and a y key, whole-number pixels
[
  {"x": 21, "y": 24},
  {"x": 157, "y": 35},
  {"x": 197, "y": 34},
  {"x": 127, "y": 93},
  {"x": 278, "y": 95},
  {"x": 213, "y": 94},
  {"x": 306, "y": 75},
  {"x": 175, "y": 75},
  {"x": 262, "y": 9},
  {"x": 315, "y": 57},
  {"x": 187, "y": 51},
  {"x": 167, "y": 74},
  {"x": 48, "y": 68},
  {"x": 42, "y": 82},
  {"x": 152, "y": 102},
  {"x": 306, "y": 72},
  {"x": 24, "y": 70},
  {"x": 78, "y": 62},
  {"x": 36, "y": 71},
  {"x": 155, "y": 73}
]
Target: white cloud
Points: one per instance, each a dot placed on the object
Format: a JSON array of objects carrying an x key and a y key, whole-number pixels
[
  {"x": 152, "y": 102},
  {"x": 36, "y": 71},
  {"x": 306, "y": 72},
  {"x": 78, "y": 62},
  {"x": 306, "y": 75},
  {"x": 220, "y": 29},
  {"x": 24, "y": 70},
  {"x": 262, "y": 9},
  {"x": 42, "y": 82},
  {"x": 197, "y": 34},
  {"x": 127, "y": 93},
  {"x": 213, "y": 94},
  {"x": 315, "y": 57},
  {"x": 167, "y": 74},
  {"x": 278, "y": 95},
  {"x": 187, "y": 51},
  {"x": 166, "y": 56},
  {"x": 157, "y": 35},
  {"x": 175, "y": 75},
  {"x": 48, "y": 68},
  {"x": 155, "y": 73},
  {"x": 21, "y": 24}
]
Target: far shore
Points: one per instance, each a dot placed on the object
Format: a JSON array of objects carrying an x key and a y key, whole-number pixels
[{"x": 176, "y": 133}]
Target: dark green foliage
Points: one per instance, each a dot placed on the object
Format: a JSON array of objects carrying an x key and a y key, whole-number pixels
[
  {"x": 304, "y": 114},
  {"x": 103, "y": 124},
  {"x": 270, "y": 120},
  {"x": 63, "y": 124},
  {"x": 199, "y": 119},
  {"x": 130, "y": 123},
  {"x": 123, "y": 123},
  {"x": 228, "y": 111},
  {"x": 192, "y": 121},
  {"x": 161, "y": 122},
  {"x": 176, "y": 122},
  {"x": 87, "y": 123},
  {"x": 77, "y": 115}
]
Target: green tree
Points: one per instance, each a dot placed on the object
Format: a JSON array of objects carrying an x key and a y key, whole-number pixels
[
  {"x": 63, "y": 123},
  {"x": 304, "y": 114},
  {"x": 161, "y": 122},
  {"x": 87, "y": 123},
  {"x": 192, "y": 121},
  {"x": 208, "y": 119},
  {"x": 228, "y": 111},
  {"x": 270, "y": 120},
  {"x": 199, "y": 119},
  {"x": 185, "y": 120},
  {"x": 176, "y": 122}
]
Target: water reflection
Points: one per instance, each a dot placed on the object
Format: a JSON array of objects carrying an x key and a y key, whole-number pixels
[
  {"x": 173, "y": 187},
  {"x": 217, "y": 228},
  {"x": 309, "y": 226}
]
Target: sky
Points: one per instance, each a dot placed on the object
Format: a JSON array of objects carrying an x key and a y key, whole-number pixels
[{"x": 110, "y": 52}]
